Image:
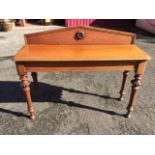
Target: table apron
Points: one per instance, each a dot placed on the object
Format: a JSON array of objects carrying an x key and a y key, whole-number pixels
[{"x": 79, "y": 66}]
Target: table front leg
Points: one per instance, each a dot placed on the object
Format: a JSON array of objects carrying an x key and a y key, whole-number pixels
[
  {"x": 25, "y": 84},
  {"x": 135, "y": 86},
  {"x": 122, "y": 91},
  {"x": 136, "y": 82}
]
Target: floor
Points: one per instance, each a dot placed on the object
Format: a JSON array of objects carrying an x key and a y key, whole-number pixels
[{"x": 74, "y": 102}]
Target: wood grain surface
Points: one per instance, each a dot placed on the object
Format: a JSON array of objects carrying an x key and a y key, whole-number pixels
[{"x": 80, "y": 53}]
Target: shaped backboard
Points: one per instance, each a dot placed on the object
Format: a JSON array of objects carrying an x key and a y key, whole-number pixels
[{"x": 80, "y": 36}]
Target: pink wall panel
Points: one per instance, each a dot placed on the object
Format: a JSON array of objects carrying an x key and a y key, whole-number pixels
[
  {"x": 78, "y": 22},
  {"x": 98, "y": 22}
]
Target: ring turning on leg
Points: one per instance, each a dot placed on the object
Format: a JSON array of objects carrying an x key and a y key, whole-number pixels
[
  {"x": 135, "y": 86},
  {"x": 25, "y": 84}
]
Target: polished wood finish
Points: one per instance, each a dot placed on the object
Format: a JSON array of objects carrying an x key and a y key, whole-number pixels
[
  {"x": 80, "y": 49},
  {"x": 93, "y": 36},
  {"x": 80, "y": 53},
  {"x": 80, "y": 66}
]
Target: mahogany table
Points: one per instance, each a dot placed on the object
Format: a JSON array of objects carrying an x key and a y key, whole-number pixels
[{"x": 80, "y": 49}]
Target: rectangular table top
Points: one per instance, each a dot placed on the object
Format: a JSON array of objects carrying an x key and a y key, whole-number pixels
[{"x": 80, "y": 53}]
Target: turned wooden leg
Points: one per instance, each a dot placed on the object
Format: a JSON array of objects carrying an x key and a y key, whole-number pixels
[
  {"x": 135, "y": 86},
  {"x": 25, "y": 84},
  {"x": 122, "y": 92},
  {"x": 36, "y": 85}
]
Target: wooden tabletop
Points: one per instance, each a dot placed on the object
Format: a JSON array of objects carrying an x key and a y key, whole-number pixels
[{"x": 80, "y": 53}]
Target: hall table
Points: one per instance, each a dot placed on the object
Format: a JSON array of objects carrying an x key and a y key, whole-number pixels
[{"x": 80, "y": 49}]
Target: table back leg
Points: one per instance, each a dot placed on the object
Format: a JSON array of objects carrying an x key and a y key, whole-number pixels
[
  {"x": 122, "y": 91},
  {"x": 36, "y": 84}
]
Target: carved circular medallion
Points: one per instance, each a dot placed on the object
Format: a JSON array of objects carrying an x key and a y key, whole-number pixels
[{"x": 79, "y": 35}]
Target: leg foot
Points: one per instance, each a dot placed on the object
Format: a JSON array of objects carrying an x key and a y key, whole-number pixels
[
  {"x": 128, "y": 115},
  {"x": 135, "y": 86},
  {"x": 121, "y": 98},
  {"x": 122, "y": 92},
  {"x": 32, "y": 115}
]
